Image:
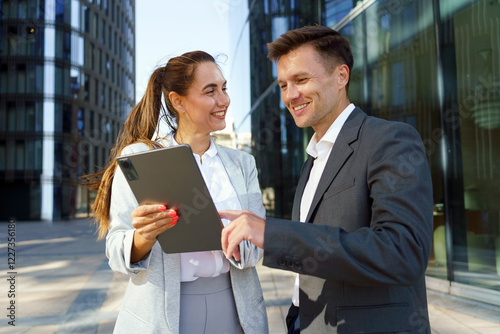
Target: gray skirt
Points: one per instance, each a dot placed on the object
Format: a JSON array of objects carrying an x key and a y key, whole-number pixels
[{"x": 207, "y": 306}]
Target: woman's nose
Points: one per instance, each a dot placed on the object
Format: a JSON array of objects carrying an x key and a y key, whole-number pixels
[{"x": 224, "y": 99}]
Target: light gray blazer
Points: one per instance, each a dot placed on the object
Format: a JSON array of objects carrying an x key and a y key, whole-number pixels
[{"x": 151, "y": 301}]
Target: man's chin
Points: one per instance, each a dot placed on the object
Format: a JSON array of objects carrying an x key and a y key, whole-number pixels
[{"x": 301, "y": 123}]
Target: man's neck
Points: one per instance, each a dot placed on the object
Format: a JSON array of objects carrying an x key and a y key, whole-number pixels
[{"x": 322, "y": 128}]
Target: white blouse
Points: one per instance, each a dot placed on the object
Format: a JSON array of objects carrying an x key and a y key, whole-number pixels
[{"x": 210, "y": 263}]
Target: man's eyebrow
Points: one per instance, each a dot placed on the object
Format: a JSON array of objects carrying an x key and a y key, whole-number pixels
[
  {"x": 214, "y": 85},
  {"x": 295, "y": 76},
  {"x": 301, "y": 74}
]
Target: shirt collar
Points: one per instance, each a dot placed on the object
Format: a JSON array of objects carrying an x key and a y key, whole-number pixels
[
  {"x": 321, "y": 148},
  {"x": 212, "y": 149}
]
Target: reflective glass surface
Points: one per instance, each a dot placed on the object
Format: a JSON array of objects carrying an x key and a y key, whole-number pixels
[
  {"x": 401, "y": 62},
  {"x": 394, "y": 77},
  {"x": 61, "y": 54},
  {"x": 472, "y": 29}
]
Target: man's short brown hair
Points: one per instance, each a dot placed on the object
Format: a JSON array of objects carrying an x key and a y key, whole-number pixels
[{"x": 330, "y": 45}]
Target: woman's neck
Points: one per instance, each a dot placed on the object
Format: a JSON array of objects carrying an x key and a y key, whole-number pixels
[{"x": 199, "y": 143}]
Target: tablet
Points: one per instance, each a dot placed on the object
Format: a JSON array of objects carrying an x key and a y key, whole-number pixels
[{"x": 172, "y": 175}]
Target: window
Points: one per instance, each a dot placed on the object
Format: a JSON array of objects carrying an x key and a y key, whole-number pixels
[
  {"x": 60, "y": 11},
  {"x": 20, "y": 155},
  {"x": 86, "y": 19},
  {"x": 75, "y": 15},
  {"x": 66, "y": 47},
  {"x": 30, "y": 154},
  {"x": 66, "y": 118},
  {"x": 2, "y": 155},
  {"x": 20, "y": 117},
  {"x": 30, "y": 79},
  {"x": 75, "y": 82},
  {"x": 13, "y": 40},
  {"x": 3, "y": 78},
  {"x": 102, "y": 95},
  {"x": 86, "y": 89},
  {"x": 11, "y": 116},
  {"x": 59, "y": 80},
  {"x": 81, "y": 122},
  {"x": 30, "y": 116},
  {"x": 95, "y": 26},
  {"x": 103, "y": 33},
  {"x": 21, "y": 9},
  {"x": 39, "y": 78},
  {"x": 96, "y": 92}
]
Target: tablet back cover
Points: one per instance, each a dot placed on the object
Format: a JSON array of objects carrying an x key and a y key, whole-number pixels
[{"x": 172, "y": 175}]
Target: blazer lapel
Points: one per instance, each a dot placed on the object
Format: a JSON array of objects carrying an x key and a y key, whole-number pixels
[
  {"x": 235, "y": 176},
  {"x": 341, "y": 151},
  {"x": 304, "y": 176}
]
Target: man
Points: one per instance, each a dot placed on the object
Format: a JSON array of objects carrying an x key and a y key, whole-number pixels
[{"x": 361, "y": 224}]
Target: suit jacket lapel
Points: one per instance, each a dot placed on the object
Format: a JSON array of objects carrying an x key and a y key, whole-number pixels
[
  {"x": 304, "y": 176},
  {"x": 340, "y": 153}
]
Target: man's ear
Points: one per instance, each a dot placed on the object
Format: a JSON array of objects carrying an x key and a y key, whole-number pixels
[
  {"x": 343, "y": 76},
  {"x": 177, "y": 101}
]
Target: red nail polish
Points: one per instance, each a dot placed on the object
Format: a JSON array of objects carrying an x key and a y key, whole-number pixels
[
  {"x": 172, "y": 213},
  {"x": 173, "y": 223},
  {"x": 162, "y": 208},
  {"x": 174, "y": 218}
]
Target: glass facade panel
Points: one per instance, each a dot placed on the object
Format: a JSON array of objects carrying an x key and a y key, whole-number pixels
[
  {"x": 75, "y": 15},
  {"x": 394, "y": 78},
  {"x": 20, "y": 158},
  {"x": 2, "y": 156},
  {"x": 336, "y": 10},
  {"x": 3, "y": 78},
  {"x": 473, "y": 28},
  {"x": 434, "y": 64},
  {"x": 21, "y": 78}
]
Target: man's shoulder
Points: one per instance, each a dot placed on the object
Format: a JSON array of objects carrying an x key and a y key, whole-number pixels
[{"x": 381, "y": 125}]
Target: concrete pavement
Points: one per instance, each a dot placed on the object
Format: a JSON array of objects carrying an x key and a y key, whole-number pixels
[{"x": 60, "y": 283}]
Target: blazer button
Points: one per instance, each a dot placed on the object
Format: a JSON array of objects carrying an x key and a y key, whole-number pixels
[
  {"x": 297, "y": 265},
  {"x": 281, "y": 261},
  {"x": 289, "y": 263}
]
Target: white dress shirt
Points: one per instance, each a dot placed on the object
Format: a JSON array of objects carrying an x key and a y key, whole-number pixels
[
  {"x": 320, "y": 151},
  {"x": 210, "y": 263}
]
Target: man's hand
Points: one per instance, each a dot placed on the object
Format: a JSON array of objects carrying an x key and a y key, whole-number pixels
[{"x": 244, "y": 225}]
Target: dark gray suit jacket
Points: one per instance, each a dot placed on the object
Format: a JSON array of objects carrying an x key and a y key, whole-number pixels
[{"x": 363, "y": 257}]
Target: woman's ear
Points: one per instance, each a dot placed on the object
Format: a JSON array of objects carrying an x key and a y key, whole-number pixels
[{"x": 177, "y": 101}]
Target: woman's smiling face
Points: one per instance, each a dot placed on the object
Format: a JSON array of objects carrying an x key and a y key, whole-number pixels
[{"x": 205, "y": 105}]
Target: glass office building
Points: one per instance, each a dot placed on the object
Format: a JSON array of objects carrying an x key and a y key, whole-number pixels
[
  {"x": 67, "y": 80},
  {"x": 434, "y": 64}
]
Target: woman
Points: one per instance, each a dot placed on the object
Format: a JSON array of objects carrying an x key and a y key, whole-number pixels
[{"x": 167, "y": 293}]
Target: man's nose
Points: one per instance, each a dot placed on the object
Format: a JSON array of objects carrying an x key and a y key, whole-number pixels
[{"x": 290, "y": 94}]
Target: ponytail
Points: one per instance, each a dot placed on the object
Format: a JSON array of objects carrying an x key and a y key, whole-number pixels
[{"x": 139, "y": 127}]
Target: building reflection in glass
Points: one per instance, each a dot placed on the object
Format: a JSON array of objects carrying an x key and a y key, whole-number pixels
[{"x": 432, "y": 64}]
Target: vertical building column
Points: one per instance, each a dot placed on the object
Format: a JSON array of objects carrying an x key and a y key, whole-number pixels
[{"x": 47, "y": 177}]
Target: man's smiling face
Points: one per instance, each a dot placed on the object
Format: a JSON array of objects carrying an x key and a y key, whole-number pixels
[{"x": 311, "y": 93}]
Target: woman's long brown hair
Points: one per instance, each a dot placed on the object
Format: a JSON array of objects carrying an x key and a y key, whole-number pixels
[{"x": 141, "y": 124}]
